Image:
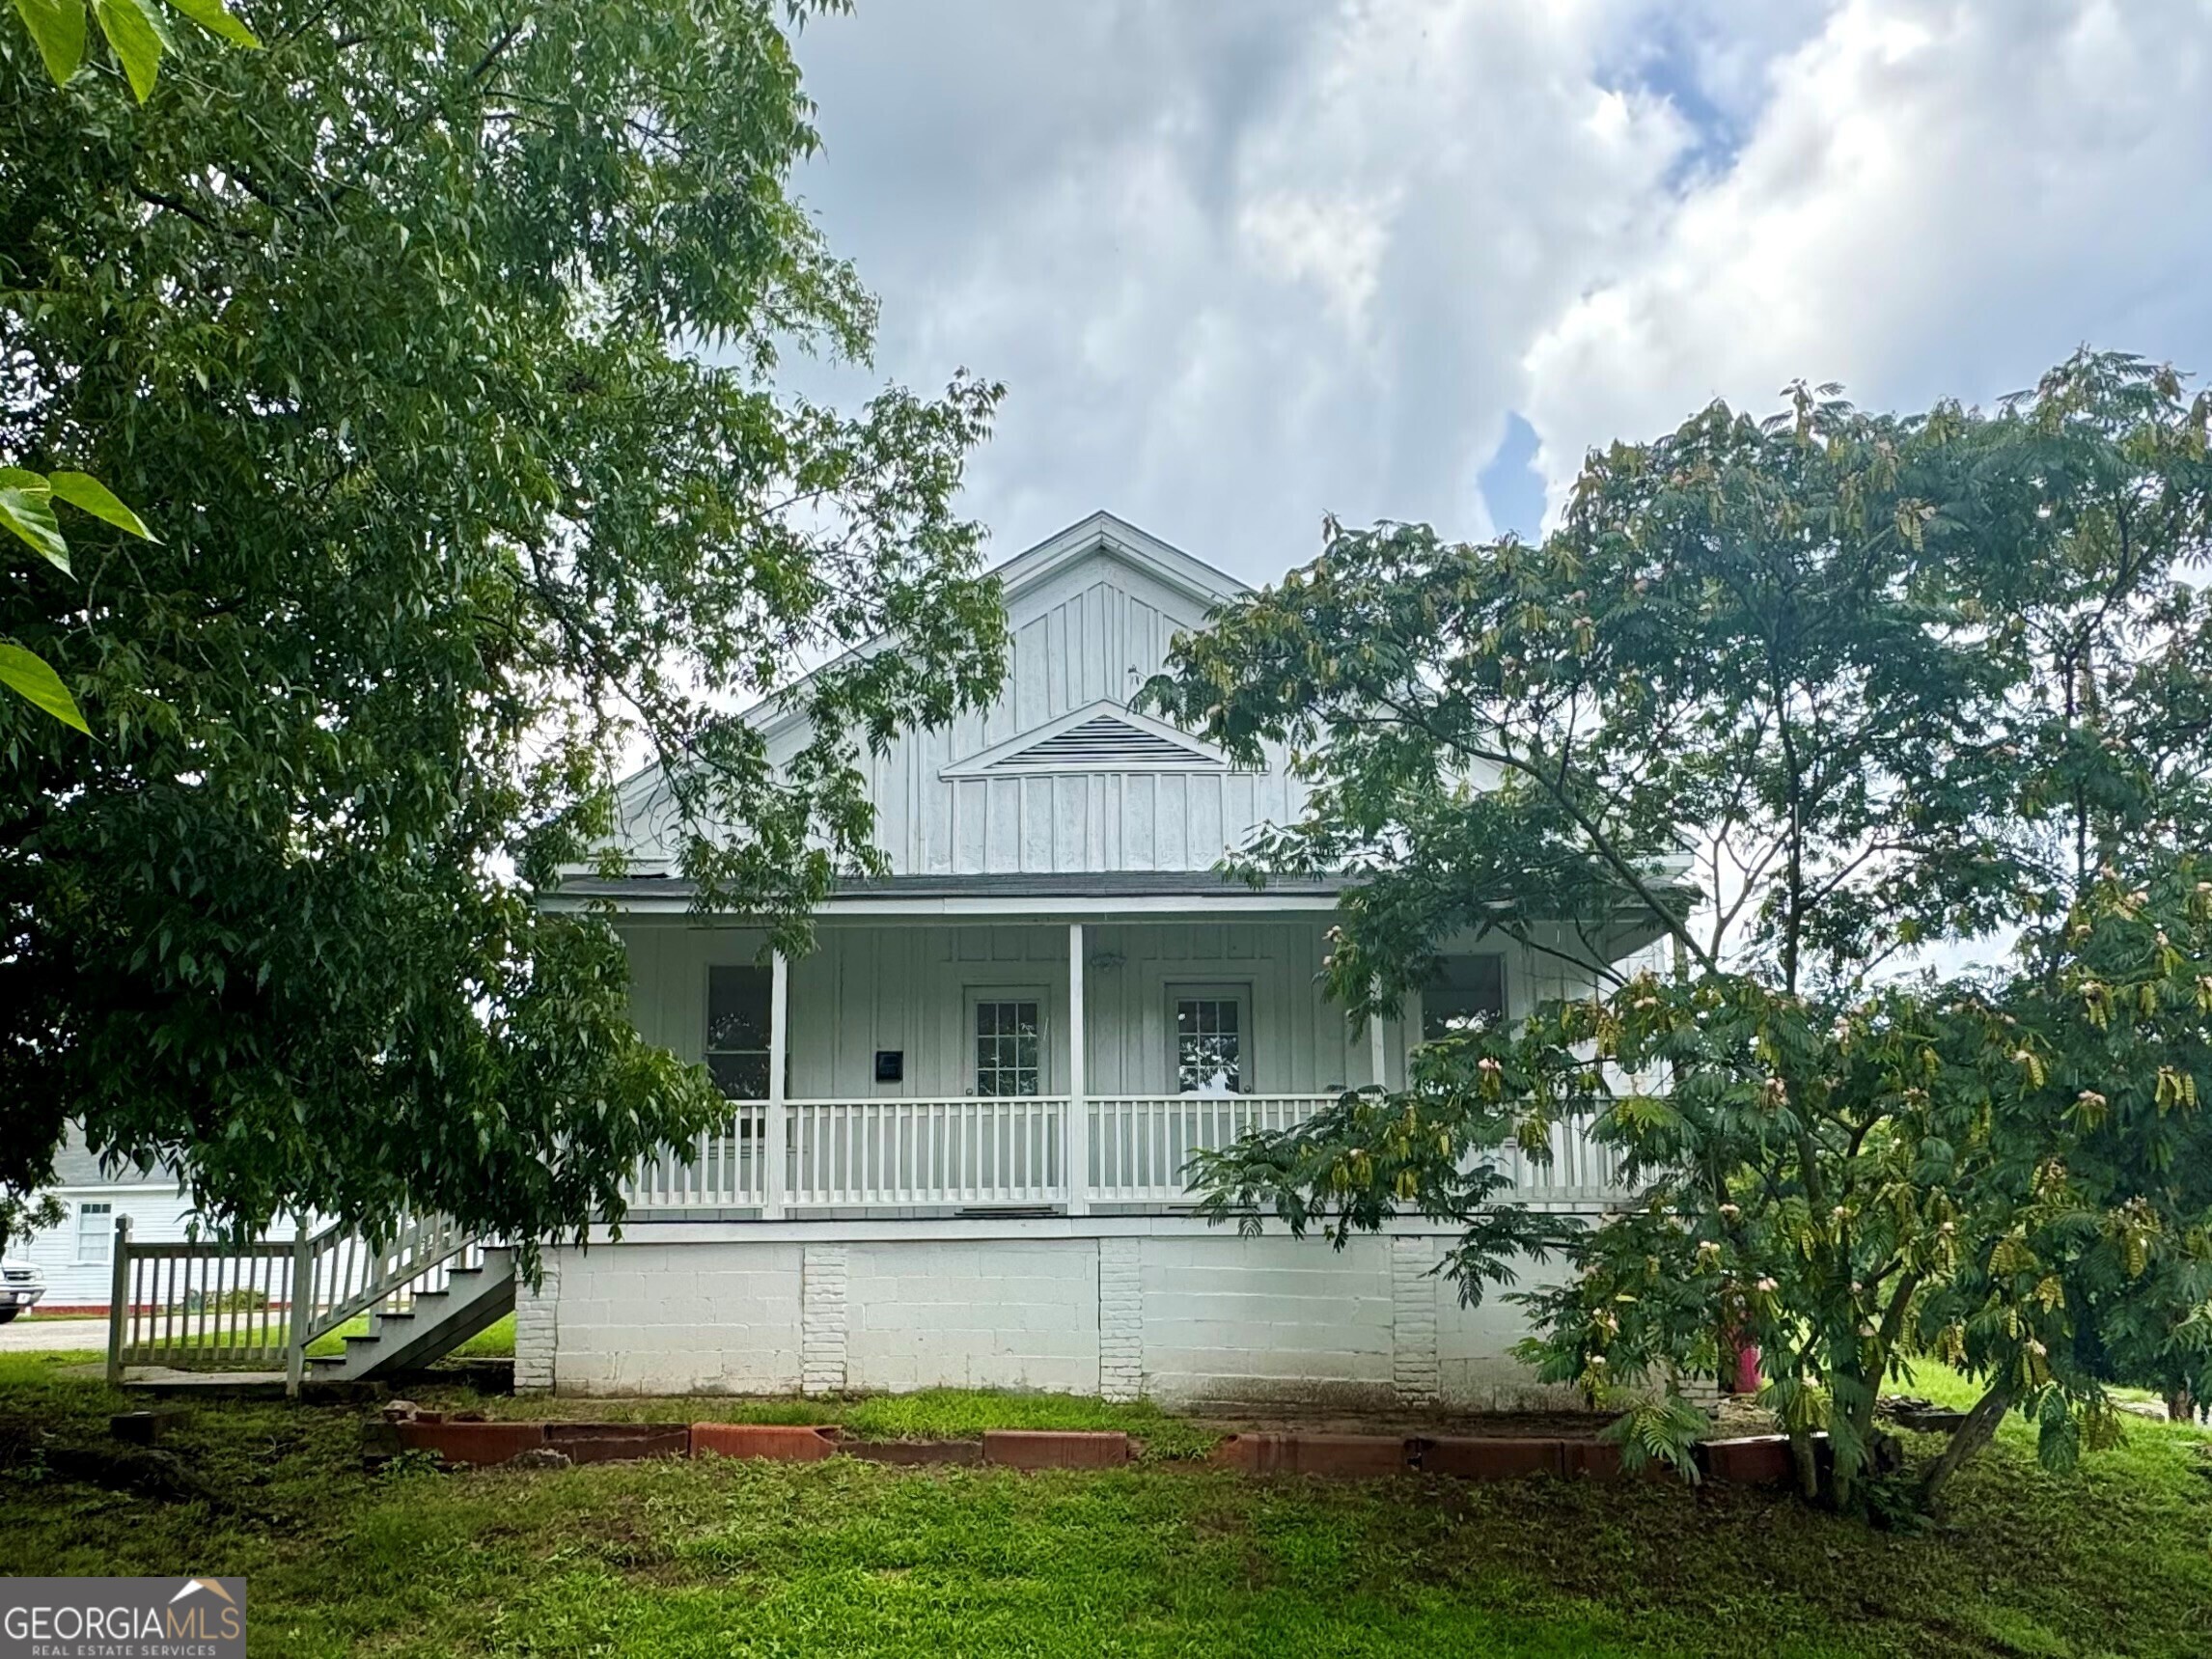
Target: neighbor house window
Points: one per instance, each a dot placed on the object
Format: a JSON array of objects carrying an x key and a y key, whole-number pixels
[
  {"x": 737, "y": 1031},
  {"x": 1009, "y": 1045},
  {"x": 1463, "y": 993},
  {"x": 1211, "y": 1031},
  {"x": 96, "y": 1231}
]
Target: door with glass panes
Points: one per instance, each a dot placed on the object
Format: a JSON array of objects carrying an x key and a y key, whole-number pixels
[
  {"x": 1211, "y": 1027},
  {"x": 1007, "y": 1049}
]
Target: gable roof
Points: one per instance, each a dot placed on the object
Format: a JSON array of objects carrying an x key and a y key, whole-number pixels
[
  {"x": 1119, "y": 539},
  {"x": 1102, "y": 533}
]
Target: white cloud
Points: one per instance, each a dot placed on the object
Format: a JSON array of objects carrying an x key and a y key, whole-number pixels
[
  {"x": 1246, "y": 261},
  {"x": 1936, "y": 199}
]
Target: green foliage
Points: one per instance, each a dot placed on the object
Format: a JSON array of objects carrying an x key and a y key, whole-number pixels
[
  {"x": 27, "y": 510},
  {"x": 135, "y": 31},
  {"x": 381, "y": 326},
  {"x": 1664, "y": 1429},
  {"x": 1793, "y": 697}
]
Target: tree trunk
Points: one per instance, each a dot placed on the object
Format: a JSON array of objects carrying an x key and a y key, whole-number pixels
[
  {"x": 1968, "y": 1438},
  {"x": 1807, "y": 1467},
  {"x": 2181, "y": 1406}
]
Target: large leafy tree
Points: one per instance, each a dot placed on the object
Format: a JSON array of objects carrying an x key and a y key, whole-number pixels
[
  {"x": 401, "y": 333},
  {"x": 1798, "y": 698}
]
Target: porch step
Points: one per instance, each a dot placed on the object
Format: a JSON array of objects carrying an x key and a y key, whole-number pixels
[{"x": 439, "y": 1322}]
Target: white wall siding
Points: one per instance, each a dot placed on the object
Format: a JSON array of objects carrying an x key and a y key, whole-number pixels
[
  {"x": 908, "y": 988},
  {"x": 1095, "y": 632},
  {"x": 1101, "y": 640},
  {"x": 159, "y": 1215}
]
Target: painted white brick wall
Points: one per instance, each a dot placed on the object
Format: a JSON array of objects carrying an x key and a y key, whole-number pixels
[
  {"x": 536, "y": 1324},
  {"x": 1476, "y": 1368},
  {"x": 679, "y": 1318},
  {"x": 1120, "y": 1318},
  {"x": 1257, "y": 1320},
  {"x": 1413, "y": 1320},
  {"x": 1188, "y": 1319},
  {"x": 1005, "y": 1313},
  {"x": 822, "y": 1319}
]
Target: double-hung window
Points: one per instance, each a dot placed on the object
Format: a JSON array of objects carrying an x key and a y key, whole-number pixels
[{"x": 96, "y": 1231}]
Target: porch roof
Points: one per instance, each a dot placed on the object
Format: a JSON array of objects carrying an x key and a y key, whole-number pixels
[{"x": 1181, "y": 892}]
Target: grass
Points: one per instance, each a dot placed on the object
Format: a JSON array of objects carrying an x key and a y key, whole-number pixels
[
  {"x": 496, "y": 1341},
  {"x": 662, "y": 1561},
  {"x": 931, "y": 1414}
]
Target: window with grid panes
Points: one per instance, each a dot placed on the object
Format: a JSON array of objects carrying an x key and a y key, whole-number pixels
[
  {"x": 1210, "y": 1045},
  {"x": 1009, "y": 1048},
  {"x": 96, "y": 1231}
]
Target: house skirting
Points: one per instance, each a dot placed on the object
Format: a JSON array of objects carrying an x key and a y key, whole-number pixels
[{"x": 1164, "y": 1308}]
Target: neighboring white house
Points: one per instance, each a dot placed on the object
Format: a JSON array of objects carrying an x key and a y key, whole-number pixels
[
  {"x": 958, "y": 1128},
  {"x": 76, "y": 1256}
]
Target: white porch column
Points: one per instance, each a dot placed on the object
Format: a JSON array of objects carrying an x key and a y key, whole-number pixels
[
  {"x": 779, "y": 1044},
  {"x": 1377, "y": 1054},
  {"x": 1076, "y": 1159}
]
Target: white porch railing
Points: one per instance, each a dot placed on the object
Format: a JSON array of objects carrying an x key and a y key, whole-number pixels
[
  {"x": 1015, "y": 1151},
  {"x": 206, "y": 1305},
  {"x": 1142, "y": 1143},
  {"x": 725, "y": 1172},
  {"x": 999, "y": 1149}
]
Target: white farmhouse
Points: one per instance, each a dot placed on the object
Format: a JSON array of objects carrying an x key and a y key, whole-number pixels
[{"x": 958, "y": 1129}]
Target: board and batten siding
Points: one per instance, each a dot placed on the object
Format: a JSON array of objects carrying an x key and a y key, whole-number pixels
[
  {"x": 1093, "y": 632},
  {"x": 907, "y": 986}
]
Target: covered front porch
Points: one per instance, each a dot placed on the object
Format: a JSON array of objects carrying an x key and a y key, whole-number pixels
[{"x": 948, "y": 1063}]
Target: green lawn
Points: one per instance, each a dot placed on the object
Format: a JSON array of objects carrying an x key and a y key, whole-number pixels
[
  {"x": 496, "y": 1341},
  {"x": 1165, "y": 1558}
]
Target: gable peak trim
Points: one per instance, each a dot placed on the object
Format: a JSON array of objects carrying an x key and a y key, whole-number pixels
[{"x": 1101, "y": 737}]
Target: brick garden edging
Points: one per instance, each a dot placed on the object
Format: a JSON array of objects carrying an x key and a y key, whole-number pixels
[{"x": 1761, "y": 1461}]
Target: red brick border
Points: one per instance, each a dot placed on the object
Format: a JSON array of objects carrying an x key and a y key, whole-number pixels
[
  {"x": 618, "y": 1442},
  {"x": 1054, "y": 1449},
  {"x": 1755, "y": 1460},
  {"x": 1342, "y": 1456},
  {"x": 1761, "y": 1461},
  {"x": 473, "y": 1443},
  {"x": 783, "y": 1442}
]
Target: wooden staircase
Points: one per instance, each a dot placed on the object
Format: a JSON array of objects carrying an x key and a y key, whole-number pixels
[
  {"x": 426, "y": 1325},
  {"x": 230, "y": 1313}
]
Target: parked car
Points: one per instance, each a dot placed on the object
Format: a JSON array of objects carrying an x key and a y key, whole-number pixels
[{"x": 21, "y": 1288}]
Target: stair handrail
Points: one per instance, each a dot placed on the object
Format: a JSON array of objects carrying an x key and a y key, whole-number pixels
[{"x": 338, "y": 1273}]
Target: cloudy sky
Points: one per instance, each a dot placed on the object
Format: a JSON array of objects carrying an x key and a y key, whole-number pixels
[{"x": 1244, "y": 261}]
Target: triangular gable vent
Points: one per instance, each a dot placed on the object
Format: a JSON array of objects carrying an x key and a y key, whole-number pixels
[
  {"x": 1105, "y": 742},
  {"x": 1103, "y": 738}
]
